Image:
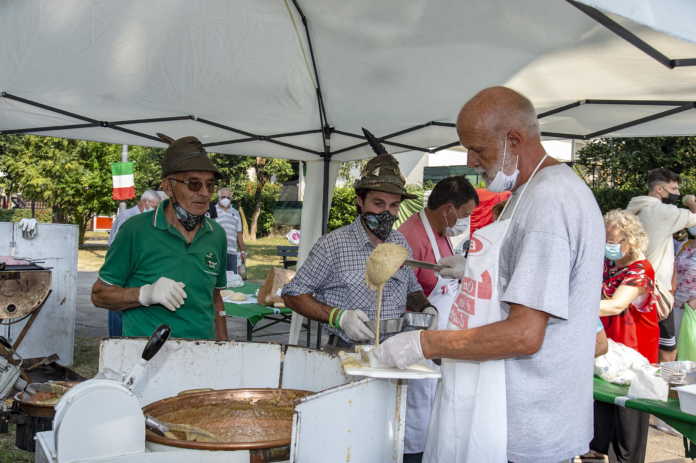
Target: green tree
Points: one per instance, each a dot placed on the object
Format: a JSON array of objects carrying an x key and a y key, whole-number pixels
[
  {"x": 624, "y": 162},
  {"x": 616, "y": 168},
  {"x": 73, "y": 176},
  {"x": 254, "y": 195}
]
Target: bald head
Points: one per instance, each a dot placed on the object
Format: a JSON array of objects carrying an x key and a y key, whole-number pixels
[
  {"x": 497, "y": 110},
  {"x": 499, "y": 129}
]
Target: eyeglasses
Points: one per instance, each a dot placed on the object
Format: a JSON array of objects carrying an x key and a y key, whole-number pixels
[{"x": 196, "y": 185}]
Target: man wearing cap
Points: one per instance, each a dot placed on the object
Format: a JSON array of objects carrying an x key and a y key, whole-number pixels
[
  {"x": 330, "y": 285},
  {"x": 168, "y": 265}
]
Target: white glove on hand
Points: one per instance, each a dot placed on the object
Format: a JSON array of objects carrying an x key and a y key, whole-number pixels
[
  {"x": 400, "y": 351},
  {"x": 454, "y": 267},
  {"x": 433, "y": 311},
  {"x": 353, "y": 323},
  {"x": 164, "y": 291},
  {"x": 28, "y": 227}
]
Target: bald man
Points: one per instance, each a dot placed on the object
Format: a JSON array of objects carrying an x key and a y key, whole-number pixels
[{"x": 527, "y": 309}]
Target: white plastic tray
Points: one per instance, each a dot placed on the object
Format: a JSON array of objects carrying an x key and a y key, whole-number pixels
[{"x": 421, "y": 370}]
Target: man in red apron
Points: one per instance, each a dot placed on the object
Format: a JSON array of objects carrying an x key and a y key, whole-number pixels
[
  {"x": 428, "y": 233},
  {"x": 523, "y": 325}
]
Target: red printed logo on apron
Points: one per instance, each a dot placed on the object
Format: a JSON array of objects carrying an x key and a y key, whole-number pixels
[
  {"x": 475, "y": 245},
  {"x": 465, "y": 304}
]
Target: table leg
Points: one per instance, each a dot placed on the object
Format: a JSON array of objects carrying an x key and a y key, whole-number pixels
[
  {"x": 319, "y": 328},
  {"x": 250, "y": 328}
]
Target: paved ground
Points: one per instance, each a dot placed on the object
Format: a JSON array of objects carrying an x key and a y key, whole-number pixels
[{"x": 91, "y": 322}]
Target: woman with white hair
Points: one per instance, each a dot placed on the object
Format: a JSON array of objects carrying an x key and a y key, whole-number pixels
[
  {"x": 628, "y": 312},
  {"x": 628, "y": 306}
]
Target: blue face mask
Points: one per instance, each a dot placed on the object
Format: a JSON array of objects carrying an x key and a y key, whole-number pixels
[{"x": 613, "y": 252}]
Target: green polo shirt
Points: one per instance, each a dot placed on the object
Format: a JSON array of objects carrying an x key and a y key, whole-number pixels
[{"x": 146, "y": 248}]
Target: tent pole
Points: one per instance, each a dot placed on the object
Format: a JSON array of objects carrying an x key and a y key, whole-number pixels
[{"x": 325, "y": 197}]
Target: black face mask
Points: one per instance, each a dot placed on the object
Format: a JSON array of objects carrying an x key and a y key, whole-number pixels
[
  {"x": 379, "y": 224},
  {"x": 187, "y": 220},
  {"x": 671, "y": 198}
]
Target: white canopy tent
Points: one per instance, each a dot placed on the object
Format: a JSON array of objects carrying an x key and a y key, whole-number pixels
[{"x": 298, "y": 78}]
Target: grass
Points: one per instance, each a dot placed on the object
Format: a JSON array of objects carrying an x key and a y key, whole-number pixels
[{"x": 261, "y": 255}]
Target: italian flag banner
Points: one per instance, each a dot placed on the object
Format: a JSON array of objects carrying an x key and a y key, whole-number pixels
[{"x": 124, "y": 186}]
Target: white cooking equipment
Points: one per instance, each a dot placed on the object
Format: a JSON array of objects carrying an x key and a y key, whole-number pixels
[{"x": 344, "y": 420}]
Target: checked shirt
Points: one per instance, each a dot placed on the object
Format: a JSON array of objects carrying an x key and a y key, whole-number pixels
[{"x": 334, "y": 273}]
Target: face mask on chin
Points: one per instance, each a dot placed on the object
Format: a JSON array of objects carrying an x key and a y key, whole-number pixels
[
  {"x": 188, "y": 220},
  {"x": 502, "y": 181},
  {"x": 379, "y": 224}
]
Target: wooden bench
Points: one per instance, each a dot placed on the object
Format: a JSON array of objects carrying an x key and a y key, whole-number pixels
[{"x": 285, "y": 252}]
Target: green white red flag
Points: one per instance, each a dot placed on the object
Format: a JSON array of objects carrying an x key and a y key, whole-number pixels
[{"x": 124, "y": 185}]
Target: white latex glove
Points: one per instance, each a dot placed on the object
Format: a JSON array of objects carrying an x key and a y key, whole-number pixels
[
  {"x": 433, "y": 311},
  {"x": 164, "y": 291},
  {"x": 28, "y": 227},
  {"x": 400, "y": 351},
  {"x": 454, "y": 266},
  {"x": 353, "y": 323}
]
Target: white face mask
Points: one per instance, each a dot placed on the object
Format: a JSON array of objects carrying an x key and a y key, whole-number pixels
[
  {"x": 225, "y": 202},
  {"x": 502, "y": 181},
  {"x": 460, "y": 227},
  {"x": 148, "y": 209}
]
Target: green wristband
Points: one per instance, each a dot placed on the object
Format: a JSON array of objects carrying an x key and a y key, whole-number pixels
[
  {"x": 331, "y": 316},
  {"x": 339, "y": 316}
]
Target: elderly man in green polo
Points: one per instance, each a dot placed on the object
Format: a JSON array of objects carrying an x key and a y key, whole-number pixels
[{"x": 168, "y": 265}]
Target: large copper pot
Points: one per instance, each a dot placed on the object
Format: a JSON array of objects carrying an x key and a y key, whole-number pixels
[
  {"x": 42, "y": 403},
  {"x": 259, "y": 420}
]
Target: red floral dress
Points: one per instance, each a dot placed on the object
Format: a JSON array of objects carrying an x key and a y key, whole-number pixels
[{"x": 637, "y": 326}]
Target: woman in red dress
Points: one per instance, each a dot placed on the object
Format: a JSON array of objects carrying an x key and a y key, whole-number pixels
[
  {"x": 628, "y": 307},
  {"x": 628, "y": 312}
]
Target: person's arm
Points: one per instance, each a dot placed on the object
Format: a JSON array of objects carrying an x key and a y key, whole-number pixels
[
  {"x": 113, "y": 297},
  {"x": 240, "y": 242},
  {"x": 316, "y": 272},
  {"x": 601, "y": 344},
  {"x": 622, "y": 298},
  {"x": 306, "y": 305},
  {"x": 522, "y": 333},
  {"x": 220, "y": 320}
]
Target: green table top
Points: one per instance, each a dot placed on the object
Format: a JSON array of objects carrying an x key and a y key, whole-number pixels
[
  {"x": 252, "y": 312},
  {"x": 668, "y": 411}
]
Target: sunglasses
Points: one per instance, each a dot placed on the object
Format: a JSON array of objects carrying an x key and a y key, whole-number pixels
[{"x": 196, "y": 185}]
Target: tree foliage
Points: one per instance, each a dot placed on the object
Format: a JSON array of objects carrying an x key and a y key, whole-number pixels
[
  {"x": 73, "y": 176},
  {"x": 624, "y": 163},
  {"x": 616, "y": 168},
  {"x": 256, "y": 197}
]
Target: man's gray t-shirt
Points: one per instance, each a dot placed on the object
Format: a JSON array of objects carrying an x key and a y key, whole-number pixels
[{"x": 552, "y": 261}]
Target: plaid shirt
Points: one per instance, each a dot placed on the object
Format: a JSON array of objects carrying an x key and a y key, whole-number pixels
[{"x": 334, "y": 273}]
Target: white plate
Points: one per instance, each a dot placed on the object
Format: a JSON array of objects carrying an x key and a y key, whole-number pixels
[{"x": 418, "y": 371}]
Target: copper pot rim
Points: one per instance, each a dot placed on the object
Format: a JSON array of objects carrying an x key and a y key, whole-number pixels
[
  {"x": 151, "y": 436},
  {"x": 41, "y": 410}
]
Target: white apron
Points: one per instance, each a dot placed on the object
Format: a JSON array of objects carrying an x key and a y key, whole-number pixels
[
  {"x": 421, "y": 392},
  {"x": 469, "y": 420}
]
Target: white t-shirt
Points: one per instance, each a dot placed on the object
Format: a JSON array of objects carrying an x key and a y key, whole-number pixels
[
  {"x": 552, "y": 261},
  {"x": 230, "y": 221},
  {"x": 661, "y": 221}
]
